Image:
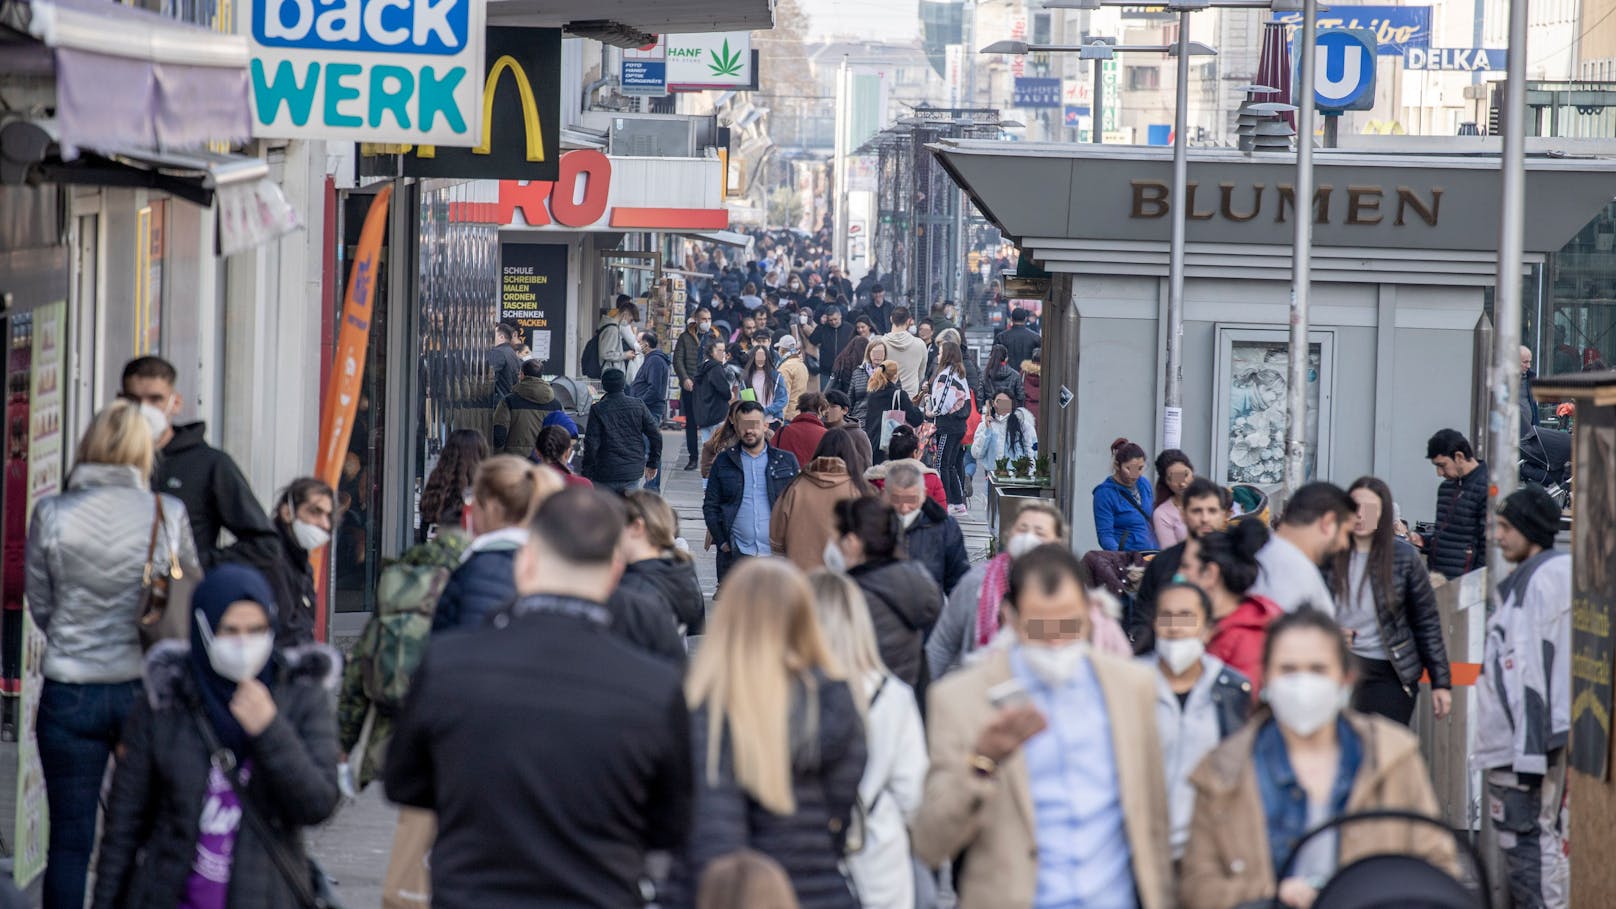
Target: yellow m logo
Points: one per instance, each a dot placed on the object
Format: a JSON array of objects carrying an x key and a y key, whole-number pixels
[{"x": 532, "y": 129}]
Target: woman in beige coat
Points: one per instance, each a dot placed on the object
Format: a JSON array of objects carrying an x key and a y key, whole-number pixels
[
  {"x": 804, "y": 519},
  {"x": 1301, "y": 761}
]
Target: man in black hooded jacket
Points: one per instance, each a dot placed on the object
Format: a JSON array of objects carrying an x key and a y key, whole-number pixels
[{"x": 216, "y": 495}]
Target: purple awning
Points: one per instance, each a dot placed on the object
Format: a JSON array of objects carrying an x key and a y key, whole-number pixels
[{"x": 128, "y": 77}]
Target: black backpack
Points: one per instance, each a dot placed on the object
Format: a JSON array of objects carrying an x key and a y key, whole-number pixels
[{"x": 589, "y": 360}]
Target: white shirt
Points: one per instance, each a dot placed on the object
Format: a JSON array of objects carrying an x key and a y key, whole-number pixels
[{"x": 1291, "y": 579}]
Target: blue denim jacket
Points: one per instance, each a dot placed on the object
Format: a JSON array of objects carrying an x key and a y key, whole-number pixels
[{"x": 1284, "y": 801}]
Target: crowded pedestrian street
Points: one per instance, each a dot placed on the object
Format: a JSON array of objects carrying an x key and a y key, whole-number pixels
[{"x": 808, "y": 454}]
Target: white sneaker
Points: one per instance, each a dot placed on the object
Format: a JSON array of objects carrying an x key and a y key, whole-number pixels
[{"x": 959, "y": 511}]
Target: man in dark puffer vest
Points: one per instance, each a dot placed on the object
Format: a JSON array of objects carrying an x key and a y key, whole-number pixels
[{"x": 1459, "y": 544}]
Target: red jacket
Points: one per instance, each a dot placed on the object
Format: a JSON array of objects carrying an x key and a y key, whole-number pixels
[
  {"x": 801, "y": 436},
  {"x": 1238, "y": 637}
]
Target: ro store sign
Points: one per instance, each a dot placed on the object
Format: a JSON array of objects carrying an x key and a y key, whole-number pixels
[{"x": 405, "y": 71}]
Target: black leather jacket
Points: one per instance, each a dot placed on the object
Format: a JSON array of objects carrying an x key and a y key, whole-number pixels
[{"x": 1410, "y": 626}]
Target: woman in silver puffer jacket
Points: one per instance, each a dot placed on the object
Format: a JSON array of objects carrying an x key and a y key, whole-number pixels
[{"x": 87, "y": 553}]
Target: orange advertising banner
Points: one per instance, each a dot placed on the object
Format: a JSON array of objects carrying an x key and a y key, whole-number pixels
[{"x": 348, "y": 370}]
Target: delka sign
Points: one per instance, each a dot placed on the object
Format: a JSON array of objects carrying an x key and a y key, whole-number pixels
[{"x": 404, "y": 71}]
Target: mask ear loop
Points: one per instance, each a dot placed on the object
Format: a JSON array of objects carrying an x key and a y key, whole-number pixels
[{"x": 202, "y": 626}]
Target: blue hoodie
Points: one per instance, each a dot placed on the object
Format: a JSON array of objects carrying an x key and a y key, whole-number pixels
[{"x": 1121, "y": 525}]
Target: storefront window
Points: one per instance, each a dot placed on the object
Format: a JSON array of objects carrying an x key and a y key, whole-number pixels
[
  {"x": 459, "y": 305},
  {"x": 356, "y": 546},
  {"x": 1579, "y": 330}
]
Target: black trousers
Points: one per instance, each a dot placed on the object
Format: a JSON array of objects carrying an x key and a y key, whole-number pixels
[
  {"x": 687, "y": 407},
  {"x": 1380, "y": 691},
  {"x": 951, "y": 464}
]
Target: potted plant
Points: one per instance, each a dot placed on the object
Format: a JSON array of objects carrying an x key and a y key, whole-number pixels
[
  {"x": 1001, "y": 467},
  {"x": 1042, "y": 469},
  {"x": 1023, "y": 466}
]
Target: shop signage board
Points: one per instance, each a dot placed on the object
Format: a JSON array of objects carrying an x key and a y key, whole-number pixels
[
  {"x": 1111, "y": 88},
  {"x": 520, "y": 138},
  {"x": 709, "y": 60},
  {"x": 1593, "y": 598},
  {"x": 533, "y": 294},
  {"x": 1343, "y": 70},
  {"x": 644, "y": 70},
  {"x": 1457, "y": 59},
  {"x": 597, "y": 192},
  {"x": 1397, "y": 29},
  {"x": 1036, "y": 91},
  {"x": 383, "y": 71}
]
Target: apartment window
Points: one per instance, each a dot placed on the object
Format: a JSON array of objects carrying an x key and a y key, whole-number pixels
[{"x": 1143, "y": 78}]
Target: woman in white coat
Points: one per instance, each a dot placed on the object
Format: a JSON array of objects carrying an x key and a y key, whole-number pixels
[{"x": 895, "y": 771}]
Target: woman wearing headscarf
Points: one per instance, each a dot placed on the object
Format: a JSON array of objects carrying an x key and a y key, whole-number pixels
[{"x": 230, "y": 753}]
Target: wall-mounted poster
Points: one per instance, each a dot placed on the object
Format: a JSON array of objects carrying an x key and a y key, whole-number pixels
[
  {"x": 45, "y": 455},
  {"x": 1253, "y": 410},
  {"x": 533, "y": 297}
]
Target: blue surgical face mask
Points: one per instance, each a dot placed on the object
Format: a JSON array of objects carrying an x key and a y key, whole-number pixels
[{"x": 1180, "y": 579}]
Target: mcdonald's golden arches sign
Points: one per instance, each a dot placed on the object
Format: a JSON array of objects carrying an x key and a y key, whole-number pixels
[{"x": 521, "y": 135}]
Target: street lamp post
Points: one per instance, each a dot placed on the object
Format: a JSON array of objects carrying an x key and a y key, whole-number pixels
[{"x": 1301, "y": 260}]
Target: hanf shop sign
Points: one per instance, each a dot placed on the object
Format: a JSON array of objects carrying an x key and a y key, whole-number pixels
[
  {"x": 374, "y": 70},
  {"x": 521, "y": 113},
  {"x": 715, "y": 60}
]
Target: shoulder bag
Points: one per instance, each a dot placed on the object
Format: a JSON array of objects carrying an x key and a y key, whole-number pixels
[
  {"x": 310, "y": 886},
  {"x": 165, "y": 599}
]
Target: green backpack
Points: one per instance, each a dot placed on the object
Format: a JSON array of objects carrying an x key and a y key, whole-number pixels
[{"x": 395, "y": 638}]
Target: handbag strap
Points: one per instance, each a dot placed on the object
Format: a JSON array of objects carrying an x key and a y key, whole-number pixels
[
  {"x": 151, "y": 545},
  {"x": 224, "y": 760}
]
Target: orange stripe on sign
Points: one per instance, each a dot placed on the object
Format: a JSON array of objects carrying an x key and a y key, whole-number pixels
[
  {"x": 1464, "y": 674},
  {"x": 670, "y": 218}
]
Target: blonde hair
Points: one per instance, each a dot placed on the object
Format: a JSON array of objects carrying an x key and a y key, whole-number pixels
[
  {"x": 761, "y": 638},
  {"x": 119, "y": 435},
  {"x": 886, "y": 375},
  {"x": 949, "y": 334},
  {"x": 745, "y": 879},
  {"x": 661, "y": 523},
  {"x": 844, "y": 622},
  {"x": 515, "y": 485}
]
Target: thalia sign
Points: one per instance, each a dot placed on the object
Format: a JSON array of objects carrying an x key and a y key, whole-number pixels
[{"x": 407, "y": 71}]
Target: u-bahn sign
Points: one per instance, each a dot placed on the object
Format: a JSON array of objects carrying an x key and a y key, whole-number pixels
[
  {"x": 521, "y": 110},
  {"x": 377, "y": 71}
]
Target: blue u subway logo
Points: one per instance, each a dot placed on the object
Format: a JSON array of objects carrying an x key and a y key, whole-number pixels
[{"x": 377, "y": 26}]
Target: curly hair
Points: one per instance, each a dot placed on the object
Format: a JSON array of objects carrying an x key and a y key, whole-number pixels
[{"x": 445, "y": 490}]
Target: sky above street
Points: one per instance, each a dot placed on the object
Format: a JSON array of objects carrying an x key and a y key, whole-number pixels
[{"x": 876, "y": 19}]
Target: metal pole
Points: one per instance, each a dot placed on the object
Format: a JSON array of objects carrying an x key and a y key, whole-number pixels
[
  {"x": 1097, "y": 105},
  {"x": 1173, "y": 399},
  {"x": 844, "y": 101},
  {"x": 1504, "y": 376},
  {"x": 1301, "y": 258}
]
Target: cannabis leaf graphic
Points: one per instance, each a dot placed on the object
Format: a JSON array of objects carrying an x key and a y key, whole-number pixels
[{"x": 725, "y": 63}]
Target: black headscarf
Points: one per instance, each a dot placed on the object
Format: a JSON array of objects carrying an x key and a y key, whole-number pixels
[{"x": 226, "y": 584}]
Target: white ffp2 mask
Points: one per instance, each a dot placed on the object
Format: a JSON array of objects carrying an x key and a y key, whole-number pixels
[
  {"x": 1304, "y": 702},
  {"x": 237, "y": 657}
]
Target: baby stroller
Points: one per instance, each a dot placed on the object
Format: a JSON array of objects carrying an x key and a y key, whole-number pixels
[{"x": 1393, "y": 881}]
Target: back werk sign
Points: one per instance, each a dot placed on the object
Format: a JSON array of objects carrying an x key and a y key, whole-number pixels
[{"x": 521, "y": 118}]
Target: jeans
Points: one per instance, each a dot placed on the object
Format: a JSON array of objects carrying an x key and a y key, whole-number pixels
[
  {"x": 687, "y": 407},
  {"x": 78, "y": 727},
  {"x": 951, "y": 448}
]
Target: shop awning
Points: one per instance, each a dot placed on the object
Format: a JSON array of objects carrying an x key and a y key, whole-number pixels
[
  {"x": 251, "y": 207},
  {"x": 653, "y": 16},
  {"x": 721, "y": 237},
  {"x": 126, "y": 77}
]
